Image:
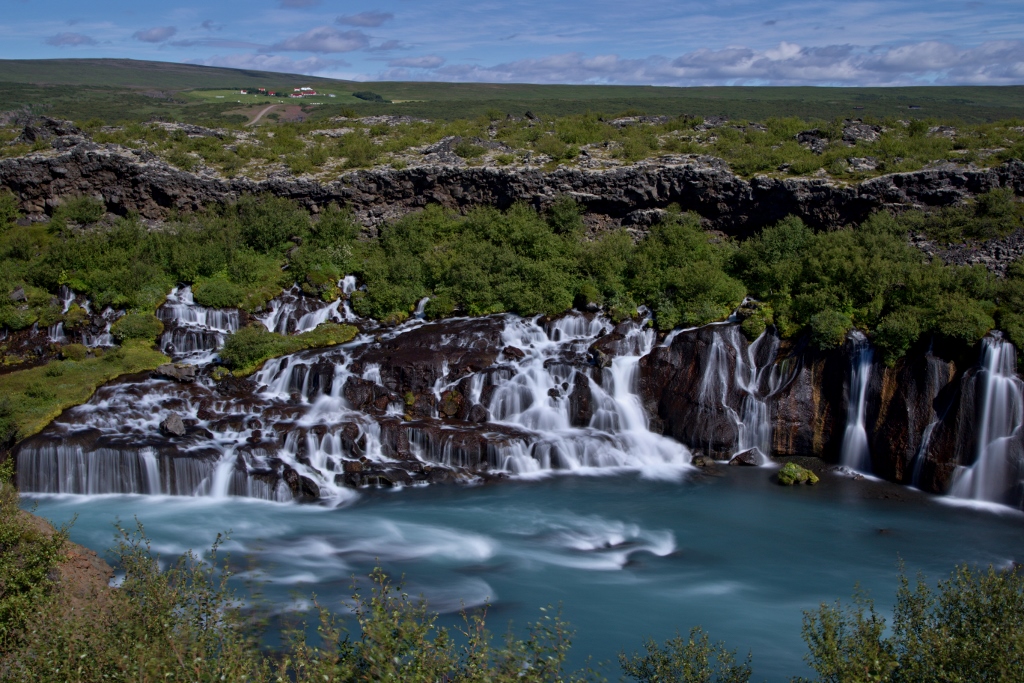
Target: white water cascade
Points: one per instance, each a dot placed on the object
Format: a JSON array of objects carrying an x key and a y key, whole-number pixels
[
  {"x": 194, "y": 332},
  {"x": 754, "y": 374},
  {"x": 104, "y": 338},
  {"x": 855, "y": 453},
  {"x": 1000, "y": 399},
  {"x": 292, "y": 313},
  {"x": 536, "y": 397}
]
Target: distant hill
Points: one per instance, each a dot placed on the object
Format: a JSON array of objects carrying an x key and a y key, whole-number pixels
[
  {"x": 132, "y": 73},
  {"x": 117, "y": 89}
]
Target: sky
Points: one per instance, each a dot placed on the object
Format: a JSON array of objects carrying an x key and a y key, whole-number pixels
[{"x": 654, "y": 42}]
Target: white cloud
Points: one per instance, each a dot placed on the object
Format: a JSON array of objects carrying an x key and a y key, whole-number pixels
[
  {"x": 424, "y": 62},
  {"x": 996, "y": 62},
  {"x": 70, "y": 40},
  {"x": 155, "y": 35},
  {"x": 365, "y": 19},
  {"x": 279, "y": 63},
  {"x": 324, "y": 39}
]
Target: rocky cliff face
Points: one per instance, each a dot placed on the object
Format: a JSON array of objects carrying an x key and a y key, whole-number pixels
[{"x": 134, "y": 180}]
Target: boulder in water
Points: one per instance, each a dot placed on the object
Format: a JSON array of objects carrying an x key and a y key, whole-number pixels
[
  {"x": 304, "y": 489},
  {"x": 179, "y": 372},
  {"x": 748, "y": 458},
  {"x": 173, "y": 425},
  {"x": 792, "y": 474}
]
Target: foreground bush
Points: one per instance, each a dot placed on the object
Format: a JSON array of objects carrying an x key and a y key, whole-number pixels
[{"x": 970, "y": 628}]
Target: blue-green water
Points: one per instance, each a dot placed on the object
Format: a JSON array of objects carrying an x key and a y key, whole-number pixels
[{"x": 627, "y": 557}]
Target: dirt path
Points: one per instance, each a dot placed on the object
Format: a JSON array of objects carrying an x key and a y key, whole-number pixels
[{"x": 260, "y": 115}]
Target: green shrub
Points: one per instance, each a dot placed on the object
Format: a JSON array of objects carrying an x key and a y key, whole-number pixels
[
  {"x": 8, "y": 424},
  {"x": 368, "y": 95},
  {"x": 358, "y": 149},
  {"x": 829, "y": 329},
  {"x": 896, "y": 333},
  {"x": 84, "y": 210},
  {"x": 137, "y": 326},
  {"x": 28, "y": 560},
  {"x": 247, "y": 349},
  {"x": 690, "y": 660},
  {"x": 970, "y": 628},
  {"x": 267, "y": 222},
  {"x": 74, "y": 351},
  {"x": 218, "y": 292},
  {"x": 39, "y": 391},
  {"x": 467, "y": 150},
  {"x": 75, "y": 317},
  {"x": 8, "y": 210}
]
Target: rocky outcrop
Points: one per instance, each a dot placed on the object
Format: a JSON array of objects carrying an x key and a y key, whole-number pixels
[{"x": 137, "y": 181}]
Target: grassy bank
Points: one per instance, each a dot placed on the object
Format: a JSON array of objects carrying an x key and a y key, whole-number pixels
[
  {"x": 38, "y": 395},
  {"x": 249, "y": 348}
]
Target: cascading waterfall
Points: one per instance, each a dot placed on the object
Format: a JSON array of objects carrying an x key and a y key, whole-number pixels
[
  {"x": 994, "y": 476},
  {"x": 104, "y": 338},
  {"x": 293, "y": 313},
  {"x": 754, "y": 375},
  {"x": 193, "y": 332},
  {"x": 855, "y": 453},
  {"x": 536, "y": 398}
]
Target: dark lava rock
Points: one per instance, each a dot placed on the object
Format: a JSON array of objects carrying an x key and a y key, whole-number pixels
[
  {"x": 748, "y": 458},
  {"x": 813, "y": 140},
  {"x": 513, "y": 353},
  {"x": 304, "y": 489},
  {"x": 173, "y": 425},
  {"x": 478, "y": 414},
  {"x": 415, "y": 360},
  {"x": 179, "y": 372}
]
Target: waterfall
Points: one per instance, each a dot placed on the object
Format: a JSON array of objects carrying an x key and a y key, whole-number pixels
[
  {"x": 293, "y": 313},
  {"x": 192, "y": 331},
  {"x": 104, "y": 338},
  {"x": 758, "y": 383},
  {"x": 536, "y": 398},
  {"x": 1000, "y": 400},
  {"x": 55, "y": 334},
  {"x": 855, "y": 453},
  {"x": 754, "y": 375},
  {"x": 67, "y": 297},
  {"x": 421, "y": 307}
]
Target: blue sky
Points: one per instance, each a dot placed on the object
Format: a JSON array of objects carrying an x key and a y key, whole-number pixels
[{"x": 745, "y": 42}]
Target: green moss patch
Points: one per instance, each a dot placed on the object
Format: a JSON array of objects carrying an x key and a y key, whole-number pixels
[
  {"x": 792, "y": 474},
  {"x": 249, "y": 348},
  {"x": 38, "y": 395}
]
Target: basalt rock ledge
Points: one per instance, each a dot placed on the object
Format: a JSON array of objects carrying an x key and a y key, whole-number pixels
[{"x": 129, "y": 180}]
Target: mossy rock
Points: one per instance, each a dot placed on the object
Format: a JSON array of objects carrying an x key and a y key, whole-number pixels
[{"x": 792, "y": 474}]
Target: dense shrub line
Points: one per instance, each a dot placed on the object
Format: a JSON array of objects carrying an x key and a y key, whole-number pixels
[
  {"x": 184, "y": 622},
  {"x": 488, "y": 261}
]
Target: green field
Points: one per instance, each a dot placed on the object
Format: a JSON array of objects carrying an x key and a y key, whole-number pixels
[{"x": 118, "y": 89}]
